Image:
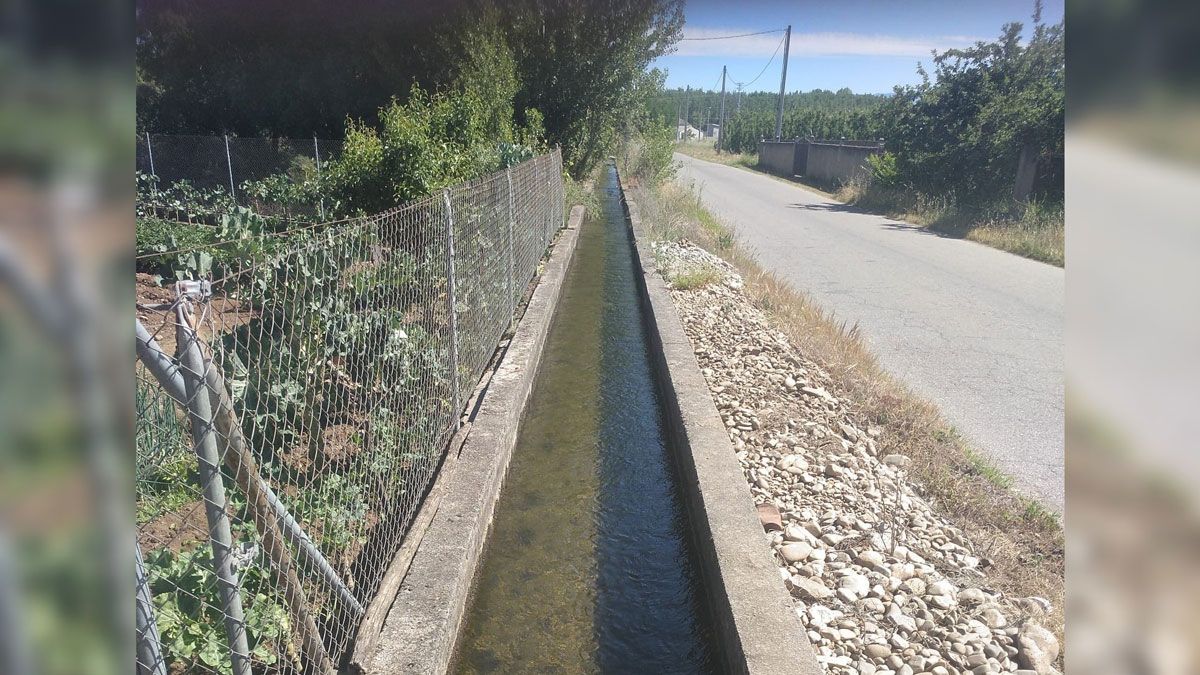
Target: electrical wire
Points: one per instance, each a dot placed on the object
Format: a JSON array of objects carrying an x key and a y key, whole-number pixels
[
  {"x": 760, "y": 73},
  {"x": 726, "y": 37}
]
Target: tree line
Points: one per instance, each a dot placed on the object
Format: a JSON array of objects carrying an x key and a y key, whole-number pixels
[
  {"x": 959, "y": 132},
  {"x": 570, "y": 73}
]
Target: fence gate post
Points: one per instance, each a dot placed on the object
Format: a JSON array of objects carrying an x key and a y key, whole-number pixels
[
  {"x": 204, "y": 436},
  {"x": 153, "y": 173},
  {"x": 512, "y": 266},
  {"x": 317, "y": 155},
  {"x": 450, "y": 305},
  {"x": 229, "y": 163},
  {"x": 149, "y": 646}
]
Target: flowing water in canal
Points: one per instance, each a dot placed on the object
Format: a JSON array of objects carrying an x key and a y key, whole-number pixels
[{"x": 588, "y": 567}]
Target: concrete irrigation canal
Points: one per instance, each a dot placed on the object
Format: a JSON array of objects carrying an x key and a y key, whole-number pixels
[
  {"x": 593, "y": 516},
  {"x": 588, "y": 566}
]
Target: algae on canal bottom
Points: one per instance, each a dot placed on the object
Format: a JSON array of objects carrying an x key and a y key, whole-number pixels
[{"x": 587, "y": 567}]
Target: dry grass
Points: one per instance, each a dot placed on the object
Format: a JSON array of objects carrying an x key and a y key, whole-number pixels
[
  {"x": 1023, "y": 541},
  {"x": 1033, "y": 231},
  {"x": 707, "y": 151}
]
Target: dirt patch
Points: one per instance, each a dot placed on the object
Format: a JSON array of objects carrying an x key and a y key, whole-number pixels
[
  {"x": 222, "y": 315},
  {"x": 180, "y": 530}
]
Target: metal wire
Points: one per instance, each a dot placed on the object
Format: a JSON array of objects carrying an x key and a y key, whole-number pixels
[
  {"x": 229, "y": 167},
  {"x": 333, "y": 364}
]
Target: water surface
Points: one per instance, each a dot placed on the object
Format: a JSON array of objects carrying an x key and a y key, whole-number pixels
[{"x": 588, "y": 567}]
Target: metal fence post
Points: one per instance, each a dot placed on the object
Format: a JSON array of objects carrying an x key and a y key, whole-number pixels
[
  {"x": 168, "y": 376},
  {"x": 229, "y": 163},
  {"x": 545, "y": 216},
  {"x": 16, "y": 655},
  {"x": 153, "y": 173},
  {"x": 450, "y": 305},
  {"x": 149, "y": 647},
  {"x": 317, "y": 155},
  {"x": 220, "y": 535},
  {"x": 512, "y": 266}
]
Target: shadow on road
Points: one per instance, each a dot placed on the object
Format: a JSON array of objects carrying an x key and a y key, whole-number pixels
[{"x": 885, "y": 222}]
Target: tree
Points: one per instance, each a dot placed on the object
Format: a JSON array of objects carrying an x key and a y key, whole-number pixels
[
  {"x": 962, "y": 131},
  {"x": 581, "y": 63}
]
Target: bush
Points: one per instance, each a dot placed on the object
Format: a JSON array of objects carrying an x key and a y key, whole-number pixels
[
  {"x": 883, "y": 169},
  {"x": 427, "y": 143},
  {"x": 655, "y": 162}
]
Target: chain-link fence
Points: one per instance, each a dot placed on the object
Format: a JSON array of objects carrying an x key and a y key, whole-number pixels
[
  {"x": 226, "y": 162},
  {"x": 292, "y": 414}
]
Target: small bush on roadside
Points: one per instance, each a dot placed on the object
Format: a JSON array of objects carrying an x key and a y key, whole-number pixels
[{"x": 883, "y": 169}]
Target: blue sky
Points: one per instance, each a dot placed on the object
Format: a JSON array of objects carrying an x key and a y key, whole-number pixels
[{"x": 867, "y": 45}]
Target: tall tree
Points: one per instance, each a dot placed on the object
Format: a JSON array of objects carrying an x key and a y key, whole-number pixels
[
  {"x": 963, "y": 130},
  {"x": 582, "y": 64}
]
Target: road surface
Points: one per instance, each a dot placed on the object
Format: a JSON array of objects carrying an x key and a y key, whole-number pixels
[{"x": 975, "y": 330}]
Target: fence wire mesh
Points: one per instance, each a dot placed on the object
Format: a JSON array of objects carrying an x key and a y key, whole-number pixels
[
  {"x": 291, "y": 415},
  {"x": 231, "y": 165}
]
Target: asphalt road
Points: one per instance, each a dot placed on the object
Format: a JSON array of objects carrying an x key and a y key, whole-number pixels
[{"x": 977, "y": 331}]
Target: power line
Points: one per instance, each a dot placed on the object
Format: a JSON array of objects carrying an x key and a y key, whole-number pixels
[
  {"x": 760, "y": 73},
  {"x": 726, "y": 37}
]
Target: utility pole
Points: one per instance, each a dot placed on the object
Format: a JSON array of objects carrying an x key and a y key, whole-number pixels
[
  {"x": 687, "y": 113},
  {"x": 787, "y": 42},
  {"x": 721, "y": 129}
]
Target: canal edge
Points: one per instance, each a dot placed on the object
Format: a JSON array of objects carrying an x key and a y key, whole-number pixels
[
  {"x": 758, "y": 629},
  {"x": 426, "y": 614}
]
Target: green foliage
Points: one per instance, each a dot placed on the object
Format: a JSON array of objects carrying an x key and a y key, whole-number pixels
[
  {"x": 333, "y": 511},
  {"x": 883, "y": 169},
  {"x": 961, "y": 132},
  {"x": 576, "y": 192},
  {"x": 427, "y": 143},
  {"x": 584, "y": 65},
  {"x": 655, "y": 163},
  {"x": 190, "y": 620},
  {"x": 818, "y": 113},
  {"x": 180, "y": 250},
  {"x": 743, "y": 131},
  {"x": 179, "y": 201},
  {"x": 567, "y": 73}
]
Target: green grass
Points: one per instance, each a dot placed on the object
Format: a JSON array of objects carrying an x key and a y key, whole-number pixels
[{"x": 696, "y": 278}]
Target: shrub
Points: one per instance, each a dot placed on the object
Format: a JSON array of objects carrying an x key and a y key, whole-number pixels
[
  {"x": 655, "y": 163},
  {"x": 427, "y": 143},
  {"x": 883, "y": 169}
]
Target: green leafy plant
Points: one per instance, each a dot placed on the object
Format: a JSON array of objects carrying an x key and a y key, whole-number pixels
[
  {"x": 883, "y": 169},
  {"x": 190, "y": 619}
]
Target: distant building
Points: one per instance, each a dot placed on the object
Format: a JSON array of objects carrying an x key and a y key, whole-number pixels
[
  {"x": 712, "y": 131},
  {"x": 685, "y": 131}
]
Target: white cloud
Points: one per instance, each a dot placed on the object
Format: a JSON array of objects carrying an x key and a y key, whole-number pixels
[{"x": 815, "y": 44}]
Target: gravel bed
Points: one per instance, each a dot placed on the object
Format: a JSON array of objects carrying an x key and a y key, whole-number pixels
[{"x": 883, "y": 584}]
